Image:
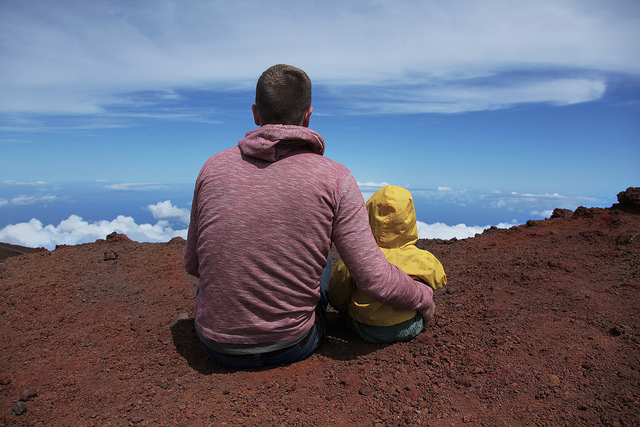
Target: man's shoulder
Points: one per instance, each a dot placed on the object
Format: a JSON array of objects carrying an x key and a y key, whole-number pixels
[
  {"x": 227, "y": 153},
  {"x": 319, "y": 159},
  {"x": 231, "y": 151}
]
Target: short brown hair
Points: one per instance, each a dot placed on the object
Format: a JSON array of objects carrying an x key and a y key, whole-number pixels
[{"x": 283, "y": 95}]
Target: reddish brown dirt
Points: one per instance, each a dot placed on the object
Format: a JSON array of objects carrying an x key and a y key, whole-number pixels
[{"x": 538, "y": 325}]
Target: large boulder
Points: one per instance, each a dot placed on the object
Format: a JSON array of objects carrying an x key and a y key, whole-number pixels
[{"x": 629, "y": 200}]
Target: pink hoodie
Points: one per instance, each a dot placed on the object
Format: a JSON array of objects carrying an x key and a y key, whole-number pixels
[{"x": 263, "y": 216}]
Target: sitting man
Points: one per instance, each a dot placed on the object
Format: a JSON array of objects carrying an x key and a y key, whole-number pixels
[{"x": 263, "y": 217}]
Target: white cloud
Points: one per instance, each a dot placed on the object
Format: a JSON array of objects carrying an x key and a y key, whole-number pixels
[
  {"x": 369, "y": 188},
  {"x": 172, "y": 221},
  {"x": 29, "y": 200},
  {"x": 439, "y": 230},
  {"x": 136, "y": 186},
  {"x": 34, "y": 183},
  {"x": 542, "y": 214},
  {"x": 165, "y": 210},
  {"x": 462, "y": 96},
  {"x": 513, "y": 200},
  {"x": 81, "y": 56},
  {"x": 542, "y": 196},
  {"x": 75, "y": 230},
  {"x": 372, "y": 184}
]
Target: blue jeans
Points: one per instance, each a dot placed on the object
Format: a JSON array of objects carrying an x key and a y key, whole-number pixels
[
  {"x": 296, "y": 352},
  {"x": 404, "y": 331}
]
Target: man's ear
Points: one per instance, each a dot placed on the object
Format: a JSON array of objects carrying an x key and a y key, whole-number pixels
[
  {"x": 307, "y": 117},
  {"x": 256, "y": 116}
]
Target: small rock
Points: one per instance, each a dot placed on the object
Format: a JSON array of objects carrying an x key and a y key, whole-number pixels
[
  {"x": 583, "y": 212},
  {"x": 616, "y": 331},
  {"x": 554, "y": 380},
  {"x": 115, "y": 237},
  {"x": 28, "y": 394},
  {"x": 110, "y": 256},
  {"x": 364, "y": 391},
  {"x": 183, "y": 316},
  {"x": 626, "y": 240},
  {"x": 19, "y": 408},
  {"x": 561, "y": 213}
]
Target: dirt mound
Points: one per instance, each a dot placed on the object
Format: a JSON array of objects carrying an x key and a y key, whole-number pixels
[
  {"x": 538, "y": 325},
  {"x": 7, "y": 250}
]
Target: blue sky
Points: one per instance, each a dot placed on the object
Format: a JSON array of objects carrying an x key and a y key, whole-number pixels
[{"x": 491, "y": 113}]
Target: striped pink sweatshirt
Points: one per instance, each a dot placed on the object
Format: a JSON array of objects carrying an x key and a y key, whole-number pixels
[{"x": 263, "y": 216}]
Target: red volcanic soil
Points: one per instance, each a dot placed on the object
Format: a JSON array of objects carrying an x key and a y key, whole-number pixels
[{"x": 538, "y": 325}]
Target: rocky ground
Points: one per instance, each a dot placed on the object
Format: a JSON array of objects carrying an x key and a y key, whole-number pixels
[{"x": 538, "y": 325}]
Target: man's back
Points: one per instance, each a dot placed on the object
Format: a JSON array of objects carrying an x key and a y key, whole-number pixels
[{"x": 264, "y": 232}]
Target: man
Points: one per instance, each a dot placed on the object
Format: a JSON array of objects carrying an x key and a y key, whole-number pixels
[{"x": 263, "y": 217}]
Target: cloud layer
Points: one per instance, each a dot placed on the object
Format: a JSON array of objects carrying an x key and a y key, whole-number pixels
[
  {"x": 444, "y": 212},
  {"x": 75, "y": 230},
  {"x": 172, "y": 221},
  {"x": 89, "y": 56}
]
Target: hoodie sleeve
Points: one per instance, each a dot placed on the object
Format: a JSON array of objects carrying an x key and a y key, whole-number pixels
[
  {"x": 367, "y": 264},
  {"x": 340, "y": 286},
  {"x": 191, "y": 262}
]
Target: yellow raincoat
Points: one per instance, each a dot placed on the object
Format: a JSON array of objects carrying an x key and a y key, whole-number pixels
[{"x": 392, "y": 217}]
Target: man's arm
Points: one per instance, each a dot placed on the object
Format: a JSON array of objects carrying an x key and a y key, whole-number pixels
[{"x": 191, "y": 263}]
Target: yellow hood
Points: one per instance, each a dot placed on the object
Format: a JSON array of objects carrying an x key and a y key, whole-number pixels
[{"x": 392, "y": 217}]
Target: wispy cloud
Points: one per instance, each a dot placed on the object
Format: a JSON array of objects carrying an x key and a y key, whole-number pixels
[
  {"x": 136, "y": 186},
  {"x": 455, "y": 96},
  {"x": 369, "y": 188},
  {"x": 32, "y": 183},
  {"x": 96, "y": 57},
  {"x": 371, "y": 184},
  {"x": 532, "y": 202},
  {"x": 29, "y": 200},
  {"x": 24, "y": 200}
]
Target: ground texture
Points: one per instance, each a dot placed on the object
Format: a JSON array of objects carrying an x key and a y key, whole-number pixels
[{"x": 538, "y": 325}]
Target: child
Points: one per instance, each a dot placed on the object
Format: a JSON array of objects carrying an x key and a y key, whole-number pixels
[{"x": 393, "y": 222}]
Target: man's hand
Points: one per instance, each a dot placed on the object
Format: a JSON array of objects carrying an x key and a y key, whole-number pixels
[{"x": 427, "y": 315}]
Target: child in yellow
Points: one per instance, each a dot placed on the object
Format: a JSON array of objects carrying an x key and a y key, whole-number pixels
[{"x": 392, "y": 217}]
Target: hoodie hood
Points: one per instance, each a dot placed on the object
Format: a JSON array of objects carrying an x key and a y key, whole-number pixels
[
  {"x": 273, "y": 142},
  {"x": 392, "y": 217}
]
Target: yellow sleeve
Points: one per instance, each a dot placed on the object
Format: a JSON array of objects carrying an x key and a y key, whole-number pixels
[
  {"x": 340, "y": 286},
  {"x": 434, "y": 274}
]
